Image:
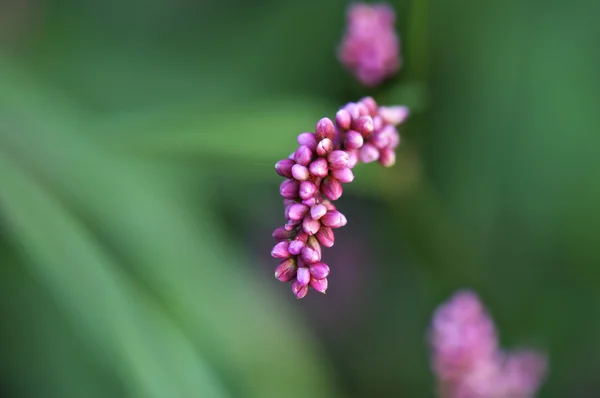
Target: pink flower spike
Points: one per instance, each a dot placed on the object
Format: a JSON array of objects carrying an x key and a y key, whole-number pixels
[
  {"x": 319, "y": 270},
  {"x": 338, "y": 159},
  {"x": 319, "y": 167},
  {"x": 303, "y": 155},
  {"x": 303, "y": 276},
  {"x": 325, "y": 129},
  {"x": 333, "y": 219},
  {"x": 308, "y": 139},
  {"x": 281, "y": 250},
  {"x": 368, "y": 153},
  {"x": 310, "y": 226},
  {"x": 284, "y": 167},
  {"x": 393, "y": 115},
  {"x": 343, "y": 119},
  {"x": 344, "y": 175},
  {"x": 320, "y": 285},
  {"x": 325, "y": 236},
  {"x": 318, "y": 211},
  {"x": 331, "y": 188},
  {"x": 299, "y": 290},
  {"x": 286, "y": 270},
  {"x": 324, "y": 147}
]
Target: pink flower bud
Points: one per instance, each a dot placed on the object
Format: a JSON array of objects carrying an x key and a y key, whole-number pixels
[
  {"x": 318, "y": 211},
  {"x": 289, "y": 189},
  {"x": 331, "y": 188},
  {"x": 310, "y": 202},
  {"x": 299, "y": 290},
  {"x": 286, "y": 270},
  {"x": 319, "y": 270},
  {"x": 333, "y": 219},
  {"x": 344, "y": 175},
  {"x": 300, "y": 172},
  {"x": 338, "y": 159},
  {"x": 371, "y": 105},
  {"x": 325, "y": 236},
  {"x": 320, "y": 285},
  {"x": 303, "y": 155},
  {"x": 368, "y": 153},
  {"x": 330, "y": 206},
  {"x": 295, "y": 247},
  {"x": 352, "y": 158},
  {"x": 387, "y": 157},
  {"x": 362, "y": 109},
  {"x": 377, "y": 123},
  {"x": 281, "y": 250},
  {"x": 381, "y": 139},
  {"x": 297, "y": 211},
  {"x": 307, "y": 189},
  {"x": 324, "y": 147},
  {"x": 303, "y": 276},
  {"x": 313, "y": 243},
  {"x": 352, "y": 109},
  {"x": 284, "y": 167},
  {"x": 310, "y": 226},
  {"x": 364, "y": 125},
  {"x": 343, "y": 119},
  {"x": 393, "y": 114},
  {"x": 310, "y": 256},
  {"x": 319, "y": 167},
  {"x": 354, "y": 140},
  {"x": 308, "y": 139},
  {"x": 394, "y": 140},
  {"x": 291, "y": 225},
  {"x": 325, "y": 129},
  {"x": 281, "y": 234}
]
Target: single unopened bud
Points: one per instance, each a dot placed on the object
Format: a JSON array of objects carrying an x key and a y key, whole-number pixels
[
  {"x": 303, "y": 155},
  {"x": 281, "y": 234},
  {"x": 297, "y": 211},
  {"x": 354, "y": 140},
  {"x": 362, "y": 109},
  {"x": 325, "y": 236},
  {"x": 319, "y": 167},
  {"x": 310, "y": 202},
  {"x": 318, "y": 211},
  {"x": 289, "y": 189},
  {"x": 387, "y": 157},
  {"x": 290, "y": 225},
  {"x": 302, "y": 236},
  {"x": 344, "y": 175},
  {"x": 334, "y": 219},
  {"x": 352, "y": 109},
  {"x": 364, "y": 125},
  {"x": 381, "y": 139},
  {"x": 325, "y": 129},
  {"x": 377, "y": 123},
  {"x": 343, "y": 119},
  {"x": 313, "y": 243},
  {"x": 310, "y": 256},
  {"x": 308, "y": 139},
  {"x": 286, "y": 270},
  {"x": 338, "y": 159},
  {"x": 319, "y": 270},
  {"x": 331, "y": 188},
  {"x": 295, "y": 247},
  {"x": 393, "y": 114},
  {"x": 330, "y": 206},
  {"x": 394, "y": 140},
  {"x": 368, "y": 153},
  {"x": 303, "y": 276},
  {"x": 324, "y": 147},
  {"x": 281, "y": 250},
  {"x": 307, "y": 189},
  {"x": 300, "y": 172},
  {"x": 299, "y": 290},
  {"x": 320, "y": 285},
  {"x": 371, "y": 105},
  {"x": 352, "y": 158},
  {"x": 310, "y": 226},
  {"x": 284, "y": 167}
]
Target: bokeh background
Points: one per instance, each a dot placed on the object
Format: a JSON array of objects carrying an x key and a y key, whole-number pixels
[{"x": 138, "y": 196}]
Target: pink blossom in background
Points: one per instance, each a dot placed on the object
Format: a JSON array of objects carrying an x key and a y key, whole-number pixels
[
  {"x": 467, "y": 360},
  {"x": 370, "y": 48}
]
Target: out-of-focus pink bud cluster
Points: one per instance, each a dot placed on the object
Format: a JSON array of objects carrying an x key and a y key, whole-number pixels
[
  {"x": 467, "y": 360},
  {"x": 370, "y": 48},
  {"x": 315, "y": 172}
]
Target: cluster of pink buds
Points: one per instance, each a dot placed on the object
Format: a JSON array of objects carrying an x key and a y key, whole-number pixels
[
  {"x": 467, "y": 360},
  {"x": 314, "y": 175},
  {"x": 370, "y": 48}
]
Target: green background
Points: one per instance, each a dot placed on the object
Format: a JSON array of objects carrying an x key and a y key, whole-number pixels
[{"x": 138, "y": 196}]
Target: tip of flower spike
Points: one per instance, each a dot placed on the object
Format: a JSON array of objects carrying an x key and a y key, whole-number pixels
[{"x": 325, "y": 129}]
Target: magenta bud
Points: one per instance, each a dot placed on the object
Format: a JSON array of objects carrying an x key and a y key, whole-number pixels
[
  {"x": 364, "y": 125},
  {"x": 308, "y": 139},
  {"x": 303, "y": 276},
  {"x": 313, "y": 243},
  {"x": 303, "y": 155},
  {"x": 325, "y": 129},
  {"x": 330, "y": 206},
  {"x": 331, "y": 188},
  {"x": 394, "y": 139},
  {"x": 289, "y": 189},
  {"x": 354, "y": 140},
  {"x": 302, "y": 236},
  {"x": 310, "y": 256},
  {"x": 319, "y": 167},
  {"x": 307, "y": 189},
  {"x": 318, "y": 211},
  {"x": 368, "y": 153},
  {"x": 299, "y": 290},
  {"x": 324, "y": 147},
  {"x": 281, "y": 234},
  {"x": 300, "y": 172},
  {"x": 281, "y": 250},
  {"x": 284, "y": 167},
  {"x": 353, "y": 110},
  {"x": 295, "y": 247},
  {"x": 381, "y": 139},
  {"x": 352, "y": 158},
  {"x": 310, "y": 226},
  {"x": 319, "y": 270},
  {"x": 362, "y": 109},
  {"x": 325, "y": 236},
  {"x": 297, "y": 211},
  {"x": 338, "y": 159},
  {"x": 371, "y": 105},
  {"x": 343, "y": 119},
  {"x": 320, "y": 285},
  {"x": 393, "y": 114},
  {"x": 344, "y": 175},
  {"x": 377, "y": 123},
  {"x": 290, "y": 225},
  {"x": 286, "y": 270},
  {"x": 387, "y": 157},
  {"x": 310, "y": 202},
  {"x": 334, "y": 219}
]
